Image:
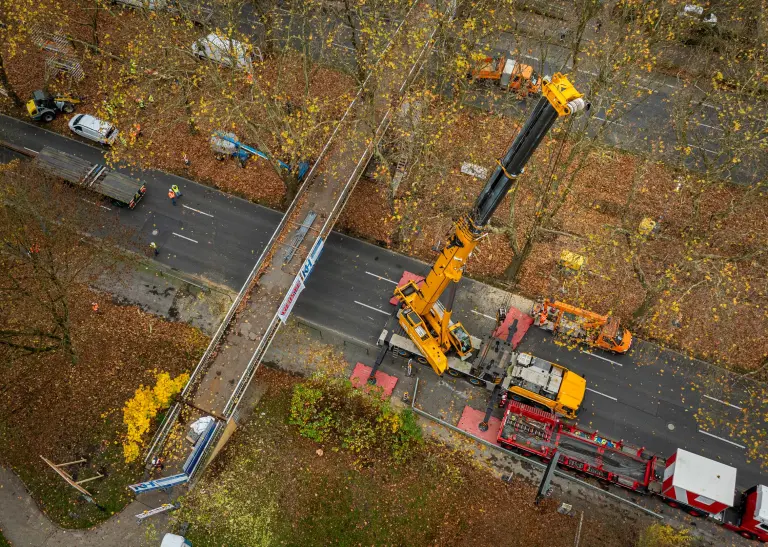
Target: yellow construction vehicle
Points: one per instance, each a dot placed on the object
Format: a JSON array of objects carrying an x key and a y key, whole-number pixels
[
  {"x": 44, "y": 106},
  {"x": 421, "y": 315},
  {"x": 425, "y": 328}
]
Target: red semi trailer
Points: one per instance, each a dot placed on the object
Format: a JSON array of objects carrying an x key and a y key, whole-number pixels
[{"x": 696, "y": 484}]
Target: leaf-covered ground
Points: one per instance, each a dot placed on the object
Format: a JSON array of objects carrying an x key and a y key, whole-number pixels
[
  {"x": 271, "y": 486},
  {"x": 711, "y": 302},
  {"x": 66, "y": 412}
]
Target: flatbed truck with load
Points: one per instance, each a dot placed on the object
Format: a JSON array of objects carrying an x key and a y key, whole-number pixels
[
  {"x": 520, "y": 376},
  {"x": 698, "y": 485},
  {"x": 121, "y": 190}
]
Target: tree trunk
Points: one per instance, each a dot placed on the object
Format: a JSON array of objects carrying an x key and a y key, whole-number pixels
[
  {"x": 7, "y": 85},
  {"x": 642, "y": 310},
  {"x": 291, "y": 182},
  {"x": 512, "y": 273}
]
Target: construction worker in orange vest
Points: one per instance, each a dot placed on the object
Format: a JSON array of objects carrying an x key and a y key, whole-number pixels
[
  {"x": 95, "y": 307},
  {"x": 172, "y": 196}
]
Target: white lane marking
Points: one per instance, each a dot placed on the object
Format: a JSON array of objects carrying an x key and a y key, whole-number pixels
[
  {"x": 184, "y": 237},
  {"x": 589, "y": 72},
  {"x": 372, "y": 308},
  {"x": 710, "y": 106},
  {"x": 721, "y": 439},
  {"x": 197, "y": 211},
  {"x": 531, "y": 57},
  {"x": 603, "y": 358},
  {"x": 607, "y": 121},
  {"x": 34, "y": 151},
  {"x": 723, "y": 402},
  {"x": 603, "y": 394},
  {"x": 382, "y": 278},
  {"x": 702, "y": 148},
  {"x": 710, "y": 127},
  {"x": 670, "y": 85},
  {"x": 488, "y": 316},
  {"x": 94, "y": 203}
]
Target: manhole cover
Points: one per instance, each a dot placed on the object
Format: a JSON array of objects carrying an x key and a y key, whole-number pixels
[{"x": 671, "y": 427}]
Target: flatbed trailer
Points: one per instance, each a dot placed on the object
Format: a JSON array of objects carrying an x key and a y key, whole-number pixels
[
  {"x": 122, "y": 190},
  {"x": 521, "y": 375},
  {"x": 538, "y": 433}
]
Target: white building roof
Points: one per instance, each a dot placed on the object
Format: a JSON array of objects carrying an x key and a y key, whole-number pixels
[{"x": 705, "y": 477}]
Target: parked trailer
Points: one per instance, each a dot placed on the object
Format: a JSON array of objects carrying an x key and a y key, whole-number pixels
[
  {"x": 698, "y": 485},
  {"x": 539, "y": 433},
  {"x": 122, "y": 190}
]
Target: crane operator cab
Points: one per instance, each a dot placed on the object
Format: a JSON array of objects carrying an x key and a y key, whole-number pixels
[{"x": 464, "y": 347}]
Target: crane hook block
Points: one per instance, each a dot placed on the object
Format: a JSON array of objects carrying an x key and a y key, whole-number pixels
[{"x": 563, "y": 96}]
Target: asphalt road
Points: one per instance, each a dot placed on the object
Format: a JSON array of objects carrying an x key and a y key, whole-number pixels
[{"x": 645, "y": 397}]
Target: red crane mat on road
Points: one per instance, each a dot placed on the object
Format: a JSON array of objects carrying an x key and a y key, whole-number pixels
[
  {"x": 385, "y": 384},
  {"x": 407, "y": 276},
  {"x": 524, "y": 322},
  {"x": 470, "y": 420}
]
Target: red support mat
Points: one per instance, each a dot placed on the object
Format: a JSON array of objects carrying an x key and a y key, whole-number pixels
[
  {"x": 524, "y": 322},
  {"x": 470, "y": 420},
  {"x": 407, "y": 276},
  {"x": 385, "y": 384}
]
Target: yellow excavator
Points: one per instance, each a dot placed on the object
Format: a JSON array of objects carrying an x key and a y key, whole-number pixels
[{"x": 420, "y": 313}]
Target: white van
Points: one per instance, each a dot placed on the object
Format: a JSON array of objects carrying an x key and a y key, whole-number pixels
[{"x": 226, "y": 51}]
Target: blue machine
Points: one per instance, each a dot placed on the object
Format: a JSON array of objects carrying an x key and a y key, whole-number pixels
[{"x": 226, "y": 144}]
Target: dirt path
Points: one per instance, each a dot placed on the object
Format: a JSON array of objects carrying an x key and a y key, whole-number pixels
[{"x": 24, "y": 524}]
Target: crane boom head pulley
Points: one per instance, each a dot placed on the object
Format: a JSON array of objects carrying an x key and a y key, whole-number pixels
[{"x": 559, "y": 98}]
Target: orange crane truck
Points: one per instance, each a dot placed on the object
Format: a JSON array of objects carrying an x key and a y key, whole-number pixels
[{"x": 600, "y": 331}]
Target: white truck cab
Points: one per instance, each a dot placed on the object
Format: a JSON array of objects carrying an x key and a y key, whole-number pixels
[{"x": 172, "y": 540}]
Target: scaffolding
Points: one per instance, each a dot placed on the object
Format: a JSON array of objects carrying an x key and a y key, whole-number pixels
[{"x": 60, "y": 56}]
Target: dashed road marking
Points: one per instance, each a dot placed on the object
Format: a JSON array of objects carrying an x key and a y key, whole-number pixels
[
  {"x": 94, "y": 203},
  {"x": 377, "y": 276},
  {"x": 711, "y": 127},
  {"x": 487, "y": 316},
  {"x": 603, "y": 394},
  {"x": 721, "y": 439},
  {"x": 710, "y": 106},
  {"x": 371, "y": 308},
  {"x": 603, "y": 358},
  {"x": 702, "y": 148},
  {"x": 197, "y": 211},
  {"x": 607, "y": 121},
  {"x": 184, "y": 237},
  {"x": 723, "y": 402}
]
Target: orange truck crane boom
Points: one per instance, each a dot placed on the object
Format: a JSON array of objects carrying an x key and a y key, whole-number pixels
[
  {"x": 600, "y": 331},
  {"x": 425, "y": 319}
]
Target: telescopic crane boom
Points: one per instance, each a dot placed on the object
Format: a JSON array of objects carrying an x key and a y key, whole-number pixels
[{"x": 420, "y": 313}]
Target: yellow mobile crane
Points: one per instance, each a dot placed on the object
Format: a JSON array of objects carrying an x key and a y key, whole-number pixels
[{"x": 420, "y": 313}]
